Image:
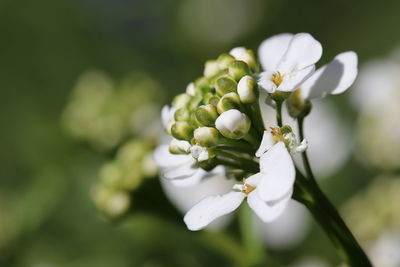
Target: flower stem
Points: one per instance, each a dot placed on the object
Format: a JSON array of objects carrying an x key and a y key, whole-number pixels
[
  {"x": 310, "y": 194},
  {"x": 253, "y": 248},
  {"x": 278, "y": 108},
  {"x": 306, "y": 162}
]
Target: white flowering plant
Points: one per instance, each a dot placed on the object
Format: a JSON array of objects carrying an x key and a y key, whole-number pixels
[{"x": 217, "y": 122}]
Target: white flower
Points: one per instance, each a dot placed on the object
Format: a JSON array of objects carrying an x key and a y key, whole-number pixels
[
  {"x": 333, "y": 78},
  {"x": 267, "y": 192},
  {"x": 180, "y": 169},
  {"x": 184, "y": 198},
  {"x": 287, "y": 61},
  {"x": 167, "y": 117}
]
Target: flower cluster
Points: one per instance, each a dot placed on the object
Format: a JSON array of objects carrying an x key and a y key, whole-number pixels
[
  {"x": 218, "y": 122},
  {"x": 114, "y": 118}
]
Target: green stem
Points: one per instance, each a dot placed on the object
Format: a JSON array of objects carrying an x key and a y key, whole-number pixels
[
  {"x": 238, "y": 145},
  {"x": 328, "y": 218},
  {"x": 306, "y": 162},
  {"x": 253, "y": 248},
  {"x": 256, "y": 117},
  {"x": 278, "y": 108},
  {"x": 235, "y": 161}
]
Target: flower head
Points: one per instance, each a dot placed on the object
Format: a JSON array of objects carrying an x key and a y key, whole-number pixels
[{"x": 287, "y": 61}]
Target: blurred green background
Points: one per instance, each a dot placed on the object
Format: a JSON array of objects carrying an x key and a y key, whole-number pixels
[{"x": 46, "y": 214}]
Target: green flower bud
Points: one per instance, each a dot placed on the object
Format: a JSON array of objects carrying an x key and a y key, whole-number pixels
[
  {"x": 181, "y": 101},
  {"x": 233, "y": 124},
  {"x": 182, "y": 130},
  {"x": 202, "y": 84},
  {"x": 194, "y": 123},
  {"x": 179, "y": 146},
  {"x": 247, "y": 90},
  {"x": 246, "y": 55},
  {"x": 285, "y": 129},
  {"x": 211, "y": 68},
  {"x": 224, "y": 60},
  {"x": 279, "y": 96},
  {"x": 206, "y": 136},
  {"x": 227, "y": 102},
  {"x": 206, "y": 114},
  {"x": 213, "y": 100},
  {"x": 225, "y": 85},
  {"x": 196, "y": 100},
  {"x": 238, "y": 69},
  {"x": 297, "y": 106},
  {"x": 182, "y": 114}
]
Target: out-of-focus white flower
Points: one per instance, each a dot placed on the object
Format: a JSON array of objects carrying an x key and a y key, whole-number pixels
[
  {"x": 267, "y": 192},
  {"x": 384, "y": 252},
  {"x": 288, "y": 230},
  {"x": 180, "y": 169},
  {"x": 377, "y": 95},
  {"x": 328, "y": 136},
  {"x": 186, "y": 197},
  {"x": 287, "y": 61}
]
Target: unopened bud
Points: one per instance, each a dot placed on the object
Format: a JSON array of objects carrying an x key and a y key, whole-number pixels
[
  {"x": 238, "y": 69},
  {"x": 225, "y": 85},
  {"x": 206, "y": 114},
  {"x": 224, "y": 60},
  {"x": 190, "y": 89},
  {"x": 181, "y": 114},
  {"x": 179, "y": 146},
  {"x": 297, "y": 106},
  {"x": 202, "y": 84},
  {"x": 246, "y": 55},
  {"x": 233, "y": 124},
  {"x": 181, "y": 130},
  {"x": 247, "y": 89},
  {"x": 227, "y": 102},
  {"x": 211, "y": 68},
  {"x": 200, "y": 153},
  {"x": 285, "y": 129},
  {"x": 206, "y": 136},
  {"x": 181, "y": 100},
  {"x": 279, "y": 96},
  {"x": 213, "y": 100}
]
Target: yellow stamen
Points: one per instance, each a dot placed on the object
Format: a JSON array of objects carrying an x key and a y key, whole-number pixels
[
  {"x": 277, "y": 78},
  {"x": 248, "y": 189}
]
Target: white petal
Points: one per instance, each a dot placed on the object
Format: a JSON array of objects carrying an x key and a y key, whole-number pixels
[
  {"x": 265, "y": 211},
  {"x": 191, "y": 180},
  {"x": 183, "y": 171},
  {"x": 272, "y": 49},
  {"x": 265, "y": 82},
  {"x": 164, "y": 159},
  {"x": 303, "y": 51},
  {"x": 293, "y": 80},
  {"x": 333, "y": 78},
  {"x": 266, "y": 143},
  {"x": 210, "y": 208},
  {"x": 278, "y": 173},
  {"x": 254, "y": 179}
]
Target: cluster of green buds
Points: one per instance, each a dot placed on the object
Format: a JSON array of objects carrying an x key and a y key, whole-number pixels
[
  {"x": 120, "y": 177},
  {"x": 104, "y": 112},
  {"x": 114, "y": 115},
  {"x": 219, "y": 109}
]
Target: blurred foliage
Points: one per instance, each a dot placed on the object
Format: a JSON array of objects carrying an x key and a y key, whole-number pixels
[{"x": 46, "y": 215}]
